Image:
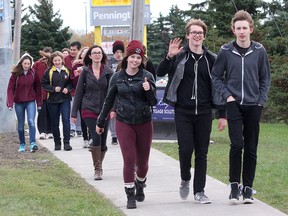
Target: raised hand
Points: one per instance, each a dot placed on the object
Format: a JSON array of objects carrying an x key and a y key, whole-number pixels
[{"x": 174, "y": 47}]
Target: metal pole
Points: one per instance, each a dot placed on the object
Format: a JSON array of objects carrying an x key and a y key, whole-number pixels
[
  {"x": 17, "y": 31},
  {"x": 7, "y": 118},
  {"x": 86, "y": 16},
  {"x": 137, "y": 25}
]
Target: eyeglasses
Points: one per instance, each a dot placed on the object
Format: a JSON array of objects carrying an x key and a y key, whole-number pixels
[
  {"x": 194, "y": 33},
  {"x": 96, "y": 53}
]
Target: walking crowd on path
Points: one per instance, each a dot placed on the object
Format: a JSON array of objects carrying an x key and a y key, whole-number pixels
[{"x": 92, "y": 93}]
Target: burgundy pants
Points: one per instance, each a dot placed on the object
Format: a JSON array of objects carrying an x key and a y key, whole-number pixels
[{"x": 135, "y": 143}]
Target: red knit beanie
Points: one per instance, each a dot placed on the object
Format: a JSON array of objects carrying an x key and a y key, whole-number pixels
[
  {"x": 135, "y": 47},
  {"x": 118, "y": 45}
]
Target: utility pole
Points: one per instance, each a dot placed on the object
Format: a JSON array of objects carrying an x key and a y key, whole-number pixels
[
  {"x": 17, "y": 31},
  {"x": 7, "y": 118},
  {"x": 85, "y": 18},
  {"x": 137, "y": 25}
]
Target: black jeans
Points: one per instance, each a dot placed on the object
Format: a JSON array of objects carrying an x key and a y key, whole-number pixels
[
  {"x": 193, "y": 132},
  {"x": 55, "y": 110},
  {"x": 243, "y": 123},
  {"x": 98, "y": 140},
  {"x": 44, "y": 119},
  {"x": 84, "y": 129}
]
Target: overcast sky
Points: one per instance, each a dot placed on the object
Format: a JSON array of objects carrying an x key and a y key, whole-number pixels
[{"x": 73, "y": 11}]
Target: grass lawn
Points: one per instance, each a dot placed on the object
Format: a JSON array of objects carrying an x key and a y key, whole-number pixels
[
  {"x": 40, "y": 184},
  {"x": 272, "y": 168}
]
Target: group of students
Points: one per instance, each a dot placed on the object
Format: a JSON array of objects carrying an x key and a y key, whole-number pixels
[{"x": 235, "y": 82}]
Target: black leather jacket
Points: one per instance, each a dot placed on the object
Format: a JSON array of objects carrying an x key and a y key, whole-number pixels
[{"x": 134, "y": 104}]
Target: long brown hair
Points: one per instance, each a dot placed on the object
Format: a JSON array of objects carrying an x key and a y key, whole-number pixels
[{"x": 18, "y": 69}]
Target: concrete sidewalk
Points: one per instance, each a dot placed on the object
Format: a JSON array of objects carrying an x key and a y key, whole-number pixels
[{"x": 162, "y": 191}]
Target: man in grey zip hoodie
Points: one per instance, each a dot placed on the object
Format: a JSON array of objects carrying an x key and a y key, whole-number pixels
[
  {"x": 241, "y": 74},
  {"x": 189, "y": 90}
]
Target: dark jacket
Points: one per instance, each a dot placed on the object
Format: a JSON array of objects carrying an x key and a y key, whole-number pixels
[
  {"x": 114, "y": 64},
  {"x": 90, "y": 92},
  {"x": 134, "y": 104},
  {"x": 202, "y": 97},
  {"x": 246, "y": 78},
  {"x": 24, "y": 88},
  {"x": 51, "y": 79}
]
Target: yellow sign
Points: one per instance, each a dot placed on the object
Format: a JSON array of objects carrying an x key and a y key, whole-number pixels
[{"x": 114, "y": 2}]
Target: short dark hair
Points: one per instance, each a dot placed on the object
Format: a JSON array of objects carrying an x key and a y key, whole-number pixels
[
  {"x": 77, "y": 44},
  {"x": 48, "y": 49}
]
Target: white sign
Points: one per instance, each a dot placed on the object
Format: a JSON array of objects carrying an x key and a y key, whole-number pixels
[{"x": 120, "y": 15}]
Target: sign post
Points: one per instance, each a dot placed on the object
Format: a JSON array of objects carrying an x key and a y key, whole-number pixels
[{"x": 7, "y": 118}]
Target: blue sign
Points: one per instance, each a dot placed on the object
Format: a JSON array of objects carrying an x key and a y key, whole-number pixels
[{"x": 162, "y": 112}]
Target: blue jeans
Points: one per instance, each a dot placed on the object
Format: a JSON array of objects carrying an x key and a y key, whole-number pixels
[
  {"x": 30, "y": 108},
  {"x": 55, "y": 110}
]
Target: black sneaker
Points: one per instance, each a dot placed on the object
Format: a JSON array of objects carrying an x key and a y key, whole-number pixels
[
  {"x": 247, "y": 195},
  {"x": 67, "y": 147},
  {"x": 235, "y": 193},
  {"x": 57, "y": 147},
  {"x": 114, "y": 141},
  {"x": 79, "y": 133}
]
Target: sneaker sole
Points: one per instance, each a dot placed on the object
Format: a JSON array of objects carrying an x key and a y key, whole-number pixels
[
  {"x": 34, "y": 149},
  {"x": 233, "y": 201},
  {"x": 248, "y": 201},
  {"x": 203, "y": 202}
]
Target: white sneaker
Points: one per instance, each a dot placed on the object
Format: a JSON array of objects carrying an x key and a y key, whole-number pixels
[
  {"x": 85, "y": 144},
  {"x": 50, "y": 136},
  {"x": 43, "y": 136}
]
